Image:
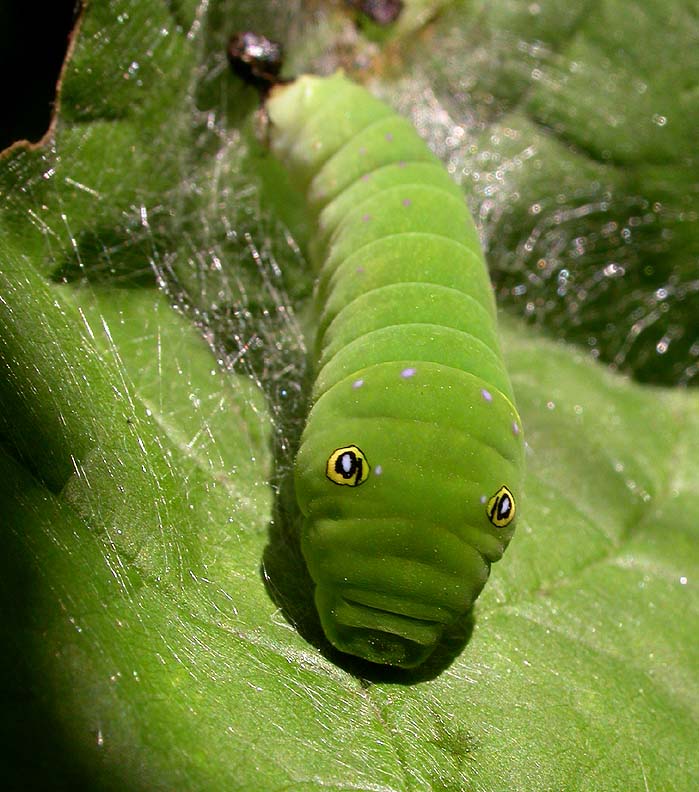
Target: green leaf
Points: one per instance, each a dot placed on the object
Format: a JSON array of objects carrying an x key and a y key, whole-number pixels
[
  {"x": 584, "y": 166},
  {"x": 157, "y": 627}
]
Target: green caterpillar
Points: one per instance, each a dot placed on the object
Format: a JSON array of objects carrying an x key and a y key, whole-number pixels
[{"x": 411, "y": 461}]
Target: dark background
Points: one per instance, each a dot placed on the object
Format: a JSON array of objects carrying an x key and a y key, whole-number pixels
[{"x": 33, "y": 42}]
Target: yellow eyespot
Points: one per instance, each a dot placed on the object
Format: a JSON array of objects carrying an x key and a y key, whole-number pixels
[
  {"x": 348, "y": 466},
  {"x": 501, "y": 508}
]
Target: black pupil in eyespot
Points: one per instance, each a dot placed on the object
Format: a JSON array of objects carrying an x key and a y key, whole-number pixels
[
  {"x": 346, "y": 464},
  {"x": 503, "y": 507}
]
